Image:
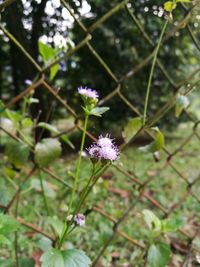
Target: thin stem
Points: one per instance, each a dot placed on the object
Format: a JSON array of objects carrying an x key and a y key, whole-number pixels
[
  {"x": 66, "y": 226},
  {"x": 84, "y": 192},
  {"x": 152, "y": 71},
  {"x": 16, "y": 235},
  {"x": 87, "y": 188},
  {"x": 43, "y": 193}
]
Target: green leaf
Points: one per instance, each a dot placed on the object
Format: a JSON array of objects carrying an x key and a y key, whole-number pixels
[
  {"x": 4, "y": 240},
  {"x": 152, "y": 220},
  {"x": 8, "y": 224},
  {"x": 66, "y": 139},
  {"x": 132, "y": 127},
  {"x": 184, "y": 1},
  {"x": 182, "y": 102},
  {"x": 46, "y": 51},
  {"x": 48, "y": 127},
  {"x": 68, "y": 258},
  {"x": 53, "y": 71},
  {"x": 171, "y": 225},
  {"x": 158, "y": 255},
  {"x": 8, "y": 125},
  {"x": 47, "y": 151},
  {"x": 27, "y": 122},
  {"x": 98, "y": 111},
  {"x": 17, "y": 153},
  {"x": 56, "y": 224},
  {"x": 45, "y": 243},
  {"x": 169, "y": 6},
  {"x": 52, "y": 258},
  {"x": 157, "y": 144}
]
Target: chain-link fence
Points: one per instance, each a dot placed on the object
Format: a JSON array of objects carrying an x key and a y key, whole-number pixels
[{"x": 145, "y": 197}]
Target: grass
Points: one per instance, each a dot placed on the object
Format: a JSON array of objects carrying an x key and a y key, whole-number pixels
[{"x": 113, "y": 193}]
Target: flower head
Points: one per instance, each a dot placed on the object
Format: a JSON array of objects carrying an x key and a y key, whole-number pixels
[
  {"x": 105, "y": 141},
  {"x": 104, "y": 149},
  {"x": 88, "y": 93},
  {"x": 109, "y": 153},
  {"x": 79, "y": 219}
]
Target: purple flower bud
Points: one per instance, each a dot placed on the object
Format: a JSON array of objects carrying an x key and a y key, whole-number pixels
[
  {"x": 94, "y": 151},
  {"x": 28, "y": 82},
  {"x": 88, "y": 93},
  {"x": 79, "y": 219}
]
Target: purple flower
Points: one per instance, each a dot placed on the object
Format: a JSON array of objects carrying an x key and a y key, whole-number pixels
[
  {"x": 94, "y": 151},
  {"x": 104, "y": 149},
  {"x": 105, "y": 141},
  {"x": 79, "y": 219},
  {"x": 88, "y": 93},
  {"x": 109, "y": 153}
]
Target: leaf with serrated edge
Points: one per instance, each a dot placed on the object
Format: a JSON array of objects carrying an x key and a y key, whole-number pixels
[{"x": 68, "y": 258}]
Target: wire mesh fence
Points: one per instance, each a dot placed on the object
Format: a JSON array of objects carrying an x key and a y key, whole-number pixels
[{"x": 143, "y": 196}]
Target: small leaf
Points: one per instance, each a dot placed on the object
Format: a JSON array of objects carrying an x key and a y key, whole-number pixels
[
  {"x": 182, "y": 102},
  {"x": 7, "y": 125},
  {"x": 46, "y": 51},
  {"x": 157, "y": 144},
  {"x": 171, "y": 225},
  {"x": 68, "y": 258},
  {"x": 56, "y": 224},
  {"x": 169, "y": 6},
  {"x": 4, "y": 240},
  {"x": 132, "y": 127},
  {"x": 53, "y": 71},
  {"x": 47, "y": 151},
  {"x": 66, "y": 139},
  {"x": 158, "y": 255},
  {"x": 152, "y": 220},
  {"x": 49, "y": 127},
  {"x": 26, "y": 123},
  {"x": 8, "y": 224},
  {"x": 17, "y": 153},
  {"x": 98, "y": 111}
]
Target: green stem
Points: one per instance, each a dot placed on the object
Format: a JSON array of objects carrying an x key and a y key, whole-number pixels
[
  {"x": 66, "y": 226},
  {"x": 43, "y": 193},
  {"x": 152, "y": 71},
  {"x": 89, "y": 187},
  {"x": 84, "y": 192}
]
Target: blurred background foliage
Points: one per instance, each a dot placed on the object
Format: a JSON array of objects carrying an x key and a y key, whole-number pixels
[{"x": 118, "y": 41}]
